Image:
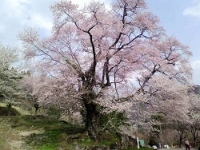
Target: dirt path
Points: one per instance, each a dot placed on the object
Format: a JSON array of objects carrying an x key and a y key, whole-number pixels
[
  {"x": 17, "y": 141},
  {"x": 12, "y": 139}
]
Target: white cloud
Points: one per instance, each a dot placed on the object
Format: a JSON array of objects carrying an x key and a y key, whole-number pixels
[
  {"x": 19, "y": 14},
  {"x": 15, "y": 8},
  {"x": 196, "y": 64},
  {"x": 85, "y": 2},
  {"x": 41, "y": 22},
  {"x": 82, "y": 3},
  {"x": 193, "y": 10}
]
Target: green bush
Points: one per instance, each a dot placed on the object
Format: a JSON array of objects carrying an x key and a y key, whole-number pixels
[
  {"x": 112, "y": 121},
  {"x": 54, "y": 112}
]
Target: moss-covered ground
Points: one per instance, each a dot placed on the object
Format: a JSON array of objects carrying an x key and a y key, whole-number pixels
[{"x": 27, "y": 132}]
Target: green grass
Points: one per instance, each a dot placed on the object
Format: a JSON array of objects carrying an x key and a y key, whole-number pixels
[
  {"x": 57, "y": 134},
  {"x": 54, "y": 135},
  {"x": 2, "y": 104},
  {"x": 21, "y": 111},
  {"x": 135, "y": 148},
  {"x": 46, "y": 147},
  {"x": 2, "y": 143}
]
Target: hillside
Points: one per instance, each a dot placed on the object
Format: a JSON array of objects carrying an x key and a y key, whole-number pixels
[
  {"x": 20, "y": 131},
  {"x": 197, "y": 89}
]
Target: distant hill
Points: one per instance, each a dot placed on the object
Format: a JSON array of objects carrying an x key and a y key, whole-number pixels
[{"x": 197, "y": 89}]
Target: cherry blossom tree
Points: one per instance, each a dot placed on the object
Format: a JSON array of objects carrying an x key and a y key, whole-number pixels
[
  {"x": 194, "y": 114},
  {"x": 195, "y": 130},
  {"x": 99, "y": 57}
]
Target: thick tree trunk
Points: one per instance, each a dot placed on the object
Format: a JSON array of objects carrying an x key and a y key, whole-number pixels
[
  {"x": 36, "y": 106},
  {"x": 92, "y": 120},
  {"x": 91, "y": 108}
]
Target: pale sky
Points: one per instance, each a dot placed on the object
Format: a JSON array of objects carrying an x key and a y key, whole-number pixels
[{"x": 180, "y": 18}]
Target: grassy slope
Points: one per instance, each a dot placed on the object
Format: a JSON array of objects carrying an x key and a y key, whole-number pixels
[
  {"x": 42, "y": 133},
  {"x": 57, "y": 135},
  {"x": 3, "y": 143},
  {"x": 54, "y": 135},
  {"x": 7, "y": 133}
]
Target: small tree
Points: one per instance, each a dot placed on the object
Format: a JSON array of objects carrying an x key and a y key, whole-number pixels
[
  {"x": 182, "y": 129},
  {"x": 10, "y": 77},
  {"x": 195, "y": 130},
  {"x": 193, "y": 114}
]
